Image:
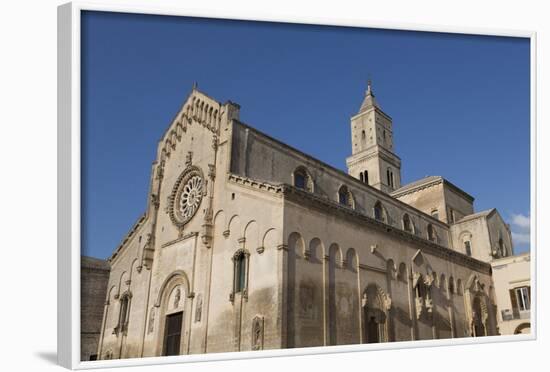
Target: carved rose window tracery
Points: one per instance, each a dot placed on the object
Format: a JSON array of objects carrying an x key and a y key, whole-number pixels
[
  {"x": 186, "y": 196},
  {"x": 191, "y": 197}
]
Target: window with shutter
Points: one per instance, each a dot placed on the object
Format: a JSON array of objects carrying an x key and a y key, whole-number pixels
[{"x": 514, "y": 301}]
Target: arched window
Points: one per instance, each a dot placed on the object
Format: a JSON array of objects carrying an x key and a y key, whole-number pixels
[
  {"x": 379, "y": 213},
  {"x": 435, "y": 214},
  {"x": 389, "y": 175},
  {"x": 420, "y": 290},
  {"x": 407, "y": 223},
  {"x": 240, "y": 273},
  {"x": 345, "y": 197},
  {"x": 302, "y": 179},
  {"x": 432, "y": 236},
  {"x": 402, "y": 274},
  {"x": 366, "y": 177},
  {"x": 423, "y": 297},
  {"x": 124, "y": 314}
]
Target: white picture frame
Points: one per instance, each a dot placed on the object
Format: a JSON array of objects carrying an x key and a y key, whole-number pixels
[{"x": 69, "y": 154}]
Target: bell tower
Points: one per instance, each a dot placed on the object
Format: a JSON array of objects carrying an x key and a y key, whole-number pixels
[{"x": 373, "y": 160}]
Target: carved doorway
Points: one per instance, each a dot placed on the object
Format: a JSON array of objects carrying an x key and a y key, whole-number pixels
[
  {"x": 172, "y": 334},
  {"x": 373, "y": 331},
  {"x": 477, "y": 318}
]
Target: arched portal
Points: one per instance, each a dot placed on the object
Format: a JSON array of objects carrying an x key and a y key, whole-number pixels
[
  {"x": 375, "y": 309},
  {"x": 523, "y": 328},
  {"x": 174, "y": 310},
  {"x": 478, "y": 324}
]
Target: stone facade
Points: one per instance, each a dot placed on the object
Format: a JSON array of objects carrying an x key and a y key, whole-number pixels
[
  {"x": 94, "y": 277},
  {"x": 249, "y": 244}
]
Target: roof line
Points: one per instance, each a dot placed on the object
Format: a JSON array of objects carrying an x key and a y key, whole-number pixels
[{"x": 356, "y": 181}]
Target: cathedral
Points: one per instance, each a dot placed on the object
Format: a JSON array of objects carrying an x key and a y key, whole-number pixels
[{"x": 248, "y": 244}]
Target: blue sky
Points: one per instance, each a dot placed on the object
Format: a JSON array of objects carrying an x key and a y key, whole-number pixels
[{"x": 459, "y": 103}]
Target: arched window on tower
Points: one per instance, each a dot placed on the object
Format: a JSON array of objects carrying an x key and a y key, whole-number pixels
[
  {"x": 364, "y": 177},
  {"x": 389, "y": 175},
  {"x": 363, "y": 139}
]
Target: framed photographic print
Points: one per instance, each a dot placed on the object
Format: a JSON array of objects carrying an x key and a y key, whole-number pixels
[{"x": 248, "y": 187}]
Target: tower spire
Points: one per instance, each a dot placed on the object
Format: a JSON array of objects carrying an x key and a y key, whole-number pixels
[
  {"x": 369, "y": 101},
  {"x": 373, "y": 158},
  {"x": 369, "y": 87}
]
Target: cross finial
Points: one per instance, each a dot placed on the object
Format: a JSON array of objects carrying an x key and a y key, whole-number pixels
[
  {"x": 369, "y": 85},
  {"x": 195, "y": 85}
]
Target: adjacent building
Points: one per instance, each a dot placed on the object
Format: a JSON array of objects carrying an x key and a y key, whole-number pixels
[
  {"x": 94, "y": 277},
  {"x": 511, "y": 276}
]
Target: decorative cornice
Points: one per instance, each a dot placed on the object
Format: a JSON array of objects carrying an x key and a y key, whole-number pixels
[
  {"x": 422, "y": 186},
  {"x": 349, "y": 180},
  {"x": 184, "y": 237},
  {"x": 371, "y": 152},
  {"x": 129, "y": 235},
  {"x": 429, "y": 183},
  {"x": 254, "y": 184},
  {"x": 300, "y": 196},
  {"x": 372, "y": 268}
]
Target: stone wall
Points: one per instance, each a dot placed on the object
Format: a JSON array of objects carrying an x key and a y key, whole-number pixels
[{"x": 94, "y": 276}]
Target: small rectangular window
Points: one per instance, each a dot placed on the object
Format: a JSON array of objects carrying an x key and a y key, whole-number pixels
[
  {"x": 468, "y": 248},
  {"x": 523, "y": 300}
]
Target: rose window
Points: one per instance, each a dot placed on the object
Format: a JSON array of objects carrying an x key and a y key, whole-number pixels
[
  {"x": 191, "y": 196},
  {"x": 187, "y": 196}
]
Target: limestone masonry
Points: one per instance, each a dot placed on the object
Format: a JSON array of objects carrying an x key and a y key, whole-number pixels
[{"x": 249, "y": 244}]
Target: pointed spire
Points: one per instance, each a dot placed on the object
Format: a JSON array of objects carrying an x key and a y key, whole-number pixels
[
  {"x": 369, "y": 100},
  {"x": 195, "y": 85}
]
